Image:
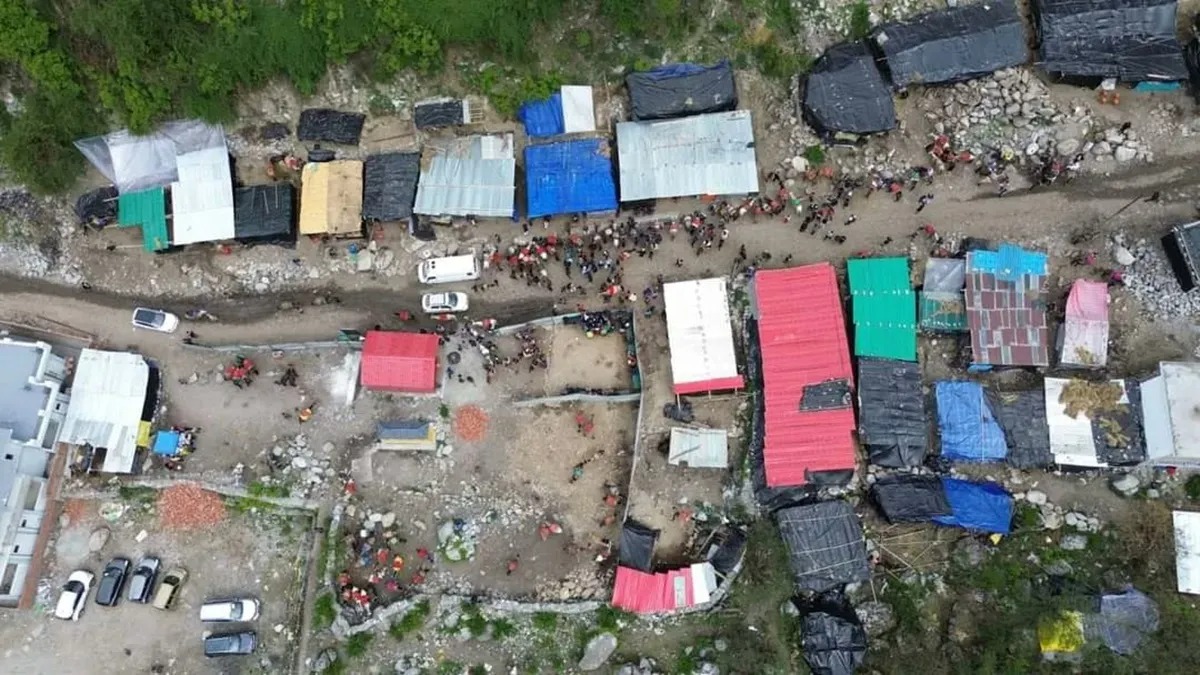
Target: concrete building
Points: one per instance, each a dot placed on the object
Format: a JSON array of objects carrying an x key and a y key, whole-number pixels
[{"x": 32, "y": 409}]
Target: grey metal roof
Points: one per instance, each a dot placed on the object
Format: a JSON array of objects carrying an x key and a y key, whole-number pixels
[
  {"x": 699, "y": 448},
  {"x": 703, "y": 154},
  {"x": 475, "y": 176},
  {"x": 20, "y": 402}
]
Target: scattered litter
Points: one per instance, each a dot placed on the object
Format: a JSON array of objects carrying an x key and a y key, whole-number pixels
[{"x": 141, "y": 536}]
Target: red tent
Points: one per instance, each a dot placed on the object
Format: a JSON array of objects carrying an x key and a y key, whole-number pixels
[
  {"x": 398, "y": 361},
  {"x": 802, "y": 333}
]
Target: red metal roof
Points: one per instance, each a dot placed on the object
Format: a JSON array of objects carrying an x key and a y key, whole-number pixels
[
  {"x": 646, "y": 593},
  {"x": 396, "y": 361},
  {"x": 802, "y": 332},
  {"x": 705, "y": 386}
]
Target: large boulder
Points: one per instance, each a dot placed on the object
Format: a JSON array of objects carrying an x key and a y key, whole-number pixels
[{"x": 597, "y": 651}]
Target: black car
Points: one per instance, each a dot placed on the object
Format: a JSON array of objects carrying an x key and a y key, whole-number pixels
[
  {"x": 141, "y": 584},
  {"x": 108, "y": 591},
  {"x": 230, "y": 644}
]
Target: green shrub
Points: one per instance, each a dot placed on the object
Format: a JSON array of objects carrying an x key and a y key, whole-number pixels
[
  {"x": 815, "y": 155},
  {"x": 860, "y": 20},
  {"x": 358, "y": 644},
  {"x": 324, "y": 611}
]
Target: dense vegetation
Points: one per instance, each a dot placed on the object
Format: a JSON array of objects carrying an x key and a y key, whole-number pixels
[{"x": 79, "y": 67}]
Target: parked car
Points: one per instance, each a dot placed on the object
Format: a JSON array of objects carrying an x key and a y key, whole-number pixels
[
  {"x": 141, "y": 584},
  {"x": 168, "y": 590},
  {"x": 155, "y": 319},
  {"x": 108, "y": 591},
  {"x": 444, "y": 303},
  {"x": 74, "y": 595},
  {"x": 230, "y": 644},
  {"x": 232, "y": 609}
]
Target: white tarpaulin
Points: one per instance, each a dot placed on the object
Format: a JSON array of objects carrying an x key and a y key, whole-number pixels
[
  {"x": 133, "y": 163},
  {"x": 105, "y": 411},
  {"x": 1071, "y": 439},
  {"x": 1187, "y": 551},
  {"x": 1169, "y": 405},
  {"x": 202, "y": 199},
  {"x": 700, "y": 336},
  {"x": 579, "y": 113},
  {"x": 699, "y": 448}
]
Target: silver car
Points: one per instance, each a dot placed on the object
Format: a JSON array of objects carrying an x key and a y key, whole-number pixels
[
  {"x": 155, "y": 320},
  {"x": 232, "y": 609}
]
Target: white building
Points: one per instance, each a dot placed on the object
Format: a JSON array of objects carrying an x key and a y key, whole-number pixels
[
  {"x": 1170, "y": 403},
  {"x": 32, "y": 410}
]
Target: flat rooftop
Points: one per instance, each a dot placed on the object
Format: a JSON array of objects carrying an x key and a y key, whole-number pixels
[{"x": 20, "y": 401}]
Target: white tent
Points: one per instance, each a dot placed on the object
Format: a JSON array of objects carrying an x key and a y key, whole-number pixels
[
  {"x": 202, "y": 198},
  {"x": 1169, "y": 405},
  {"x": 1187, "y": 551},
  {"x": 133, "y": 163},
  {"x": 701, "y": 336},
  {"x": 579, "y": 112}
]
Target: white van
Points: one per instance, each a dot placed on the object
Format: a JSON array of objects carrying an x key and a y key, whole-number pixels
[{"x": 449, "y": 270}]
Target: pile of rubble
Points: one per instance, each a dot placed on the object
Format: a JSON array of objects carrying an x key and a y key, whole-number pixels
[
  {"x": 1150, "y": 280},
  {"x": 579, "y": 584},
  {"x": 979, "y": 111},
  {"x": 1055, "y": 517},
  {"x": 294, "y": 463}
]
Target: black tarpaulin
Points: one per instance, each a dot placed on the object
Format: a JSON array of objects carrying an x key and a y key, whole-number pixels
[
  {"x": 636, "y": 546},
  {"x": 681, "y": 89},
  {"x": 441, "y": 113},
  {"x": 906, "y": 498},
  {"x": 1191, "y": 55},
  {"x": 265, "y": 213},
  {"x": 98, "y": 207},
  {"x": 1118, "y": 433},
  {"x": 845, "y": 92},
  {"x": 727, "y": 552},
  {"x": 330, "y": 126},
  {"x": 832, "y": 636},
  {"x": 825, "y": 545},
  {"x": 1022, "y": 416},
  {"x": 953, "y": 44},
  {"x": 830, "y": 395},
  {"x": 1131, "y": 40},
  {"x": 892, "y": 416},
  {"x": 390, "y": 185}
]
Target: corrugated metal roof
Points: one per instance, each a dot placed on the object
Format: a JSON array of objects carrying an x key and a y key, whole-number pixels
[
  {"x": 646, "y": 593},
  {"x": 331, "y": 198},
  {"x": 146, "y": 209},
  {"x": 700, "y": 336},
  {"x": 884, "y": 308},
  {"x": 474, "y": 177},
  {"x": 1169, "y": 405},
  {"x": 1006, "y": 307},
  {"x": 107, "y": 399},
  {"x": 1085, "y": 331},
  {"x": 202, "y": 199},
  {"x": 703, "y": 154},
  {"x": 699, "y": 448},
  {"x": 398, "y": 361},
  {"x": 802, "y": 333}
]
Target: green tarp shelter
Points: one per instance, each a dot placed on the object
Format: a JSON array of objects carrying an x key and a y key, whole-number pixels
[
  {"x": 146, "y": 209},
  {"x": 884, "y": 308}
]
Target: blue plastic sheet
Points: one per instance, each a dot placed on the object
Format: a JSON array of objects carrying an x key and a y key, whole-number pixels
[
  {"x": 569, "y": 177},
  {"x": 543, "y": 118},
  {"x": 166, "y": 443},
  {"x": 968, "y": 427},
  {"x": 983, "y": 507}
]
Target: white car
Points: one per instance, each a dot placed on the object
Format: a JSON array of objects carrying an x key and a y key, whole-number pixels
[
  {"x": 155, "y": 319},
  {"x": 74, "y": 595},
  {"x": 232, "y": 609},
  {"x": 444, "y": 303}
]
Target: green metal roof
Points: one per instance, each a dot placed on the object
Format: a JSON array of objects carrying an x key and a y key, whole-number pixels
[
  {"x": 884, "y": 308},
  {"x": 147, "y": 209},
  {"x": 944, "y": 312}
]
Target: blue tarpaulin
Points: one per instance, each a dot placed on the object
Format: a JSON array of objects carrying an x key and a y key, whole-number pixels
[
  {"x": 968, "y": 427},
  {"x": 166, "y": 443},
  {"x": 543, "y": 118},
  {"x": 569, "y": 177},
  {"x": 983, "y": 507},
  {"x": 1009, "y": 263}
]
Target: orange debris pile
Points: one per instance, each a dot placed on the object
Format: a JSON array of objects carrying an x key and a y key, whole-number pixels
[
  {"x": 188, "y": 506},
  {"x": 470, "y": 423}
]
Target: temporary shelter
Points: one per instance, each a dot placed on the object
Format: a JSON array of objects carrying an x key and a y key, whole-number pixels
[
  {"x": 825, "y": 545},
  {"x": 1092, "y": 424},
  {"x": 1182, "y": 246},
  {"x": 884, "y": 308},
  {"x": 845, "y": 93},
  {"x": 146, "y": 209},
  {"x": 400, "y": 362},
  {"x": 390, "y": 185},
  {"x": 1131, "y": 40},
  {"x": 133, "y": 163},
  {"x": 443, "y": 112},
  {"x": 892, "y": 417},
  {"x": 680, "y": 89},
  {"x": 967, "y": 426},
  {"x": 1169, "y": 404},
  {"x": 265, "y": 214},
  {"x": 406, "y": 435},
  {"x": 570, "y": 177},
  {"x": 1085, "y": 331},
  {"x": 1187, "y": 551},
  {"x": 112, "y": 400},
  {"x": 1006, "y": 307},
  {"x": 980, "y": 507},
  {"x": 700, "y": 336},
  {"x": 1021, "y": 415},
  {"x": 699, "y": 448},
  {"x": 331, "y": 198},
  {"x": 832, "y": 637},
  {"x": 951, "y": 45},
  {"x": 807, "y": 376},
  {"x": 568, "y": 111},
  {"x": 331, "y": 126},
  {"x": 701, "y": 155},
  {"x": 943, "y": 307},
  {"x": 472, "y": 176},
  {"x": 657, "y": 593}
]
